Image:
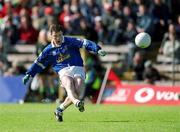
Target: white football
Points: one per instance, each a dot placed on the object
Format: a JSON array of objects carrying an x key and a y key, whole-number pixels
[{"x": 143, "y": 40}]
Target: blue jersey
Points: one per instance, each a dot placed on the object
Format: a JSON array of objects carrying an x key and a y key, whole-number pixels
[{"x": 67, "y": 54}]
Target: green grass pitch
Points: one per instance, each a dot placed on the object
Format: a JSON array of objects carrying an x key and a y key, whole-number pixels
[{"x": 96, "y": 118}]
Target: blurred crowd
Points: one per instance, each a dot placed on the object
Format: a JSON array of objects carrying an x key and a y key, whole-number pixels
[
  {"x": 111, "y": 22},
  {"x": 108, "y": 21}
]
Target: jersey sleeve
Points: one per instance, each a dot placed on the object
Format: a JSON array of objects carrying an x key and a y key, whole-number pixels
[
  {"x": 84, "y": 43},
  {"x": 90, "y": 46},
  {"x": 39, "y": 64}
]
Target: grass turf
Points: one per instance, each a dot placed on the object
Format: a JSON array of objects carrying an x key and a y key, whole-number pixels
[{"x": 96, "y": 118}]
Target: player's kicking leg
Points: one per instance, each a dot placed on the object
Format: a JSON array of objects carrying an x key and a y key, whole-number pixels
[{"x": 72, "y": 97}]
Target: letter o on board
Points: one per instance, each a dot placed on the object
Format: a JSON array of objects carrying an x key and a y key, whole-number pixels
[{"x": 139, "y": 95}]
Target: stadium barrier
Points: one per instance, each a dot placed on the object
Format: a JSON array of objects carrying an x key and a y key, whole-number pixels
[{"x": 12, "y": 89}]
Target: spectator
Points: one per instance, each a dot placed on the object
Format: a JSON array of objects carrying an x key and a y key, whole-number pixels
[
  {"x": 36, "y": 18},
  {"x": 128, "y": 14},
  {"x": 74, "y": 6},
  {"x": 108, "y": 20},
  {"x": 64, "y": 14},
  {"x": 115, "y": 33},
  {"x": 24, "y": 12},
  {"x": 100, "y": 29},
  {"x": 167, "y": 36},
  {"x": 130, "y": 32},
  {"x": 150, "y": 74},
  {"x": 134, "y": 4},
  {"x": 107, "y": 15},
  {"x": 10, "y": 30},
  {"x": 117, "y": 8},
  {"x": 75, "y": 21},
  {"x": 144, "y": 21},
  {"x": 57, "y": 6},
  {"x": 129, "y": 36},
  {"x": 41, "y": 7},
  {"x": 28, "y": 35},
  {"x": 171, "y": 46},
  {"x": 87, "y": 31},
  {"x": 68, "y": 30},
  {"x": 160, "y": 13},
  {"x": 138, "y": 65},
  {"x": 90, "y": 9}
]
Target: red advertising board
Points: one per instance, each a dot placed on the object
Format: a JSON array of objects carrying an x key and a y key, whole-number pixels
[{"x": 142, "y": 94}]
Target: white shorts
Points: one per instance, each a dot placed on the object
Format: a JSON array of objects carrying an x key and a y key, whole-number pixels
[{"x": 72, "y": 71}]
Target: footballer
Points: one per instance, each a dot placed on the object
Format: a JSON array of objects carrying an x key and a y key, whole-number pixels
[{"x": 64, "y": 56}]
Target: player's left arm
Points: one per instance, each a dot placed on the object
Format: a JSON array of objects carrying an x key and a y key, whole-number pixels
[{"x": 88, "y": 45}]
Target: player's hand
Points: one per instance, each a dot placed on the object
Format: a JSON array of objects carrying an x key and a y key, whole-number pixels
[
  {"x": 26, "y": 79},
  {"x": 102, "y": 52}
]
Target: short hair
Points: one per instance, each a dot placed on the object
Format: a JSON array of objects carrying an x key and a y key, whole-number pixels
[{"x": 55, "y": 28}]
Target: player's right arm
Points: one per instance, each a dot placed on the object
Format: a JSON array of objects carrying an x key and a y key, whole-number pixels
[{"x": 39, "y": 64}]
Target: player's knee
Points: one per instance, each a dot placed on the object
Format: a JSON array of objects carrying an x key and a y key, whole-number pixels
[{"x": 67, "y": 81}]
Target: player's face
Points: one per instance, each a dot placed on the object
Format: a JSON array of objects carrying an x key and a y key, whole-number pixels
[{"x": 57, "y": 38}]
